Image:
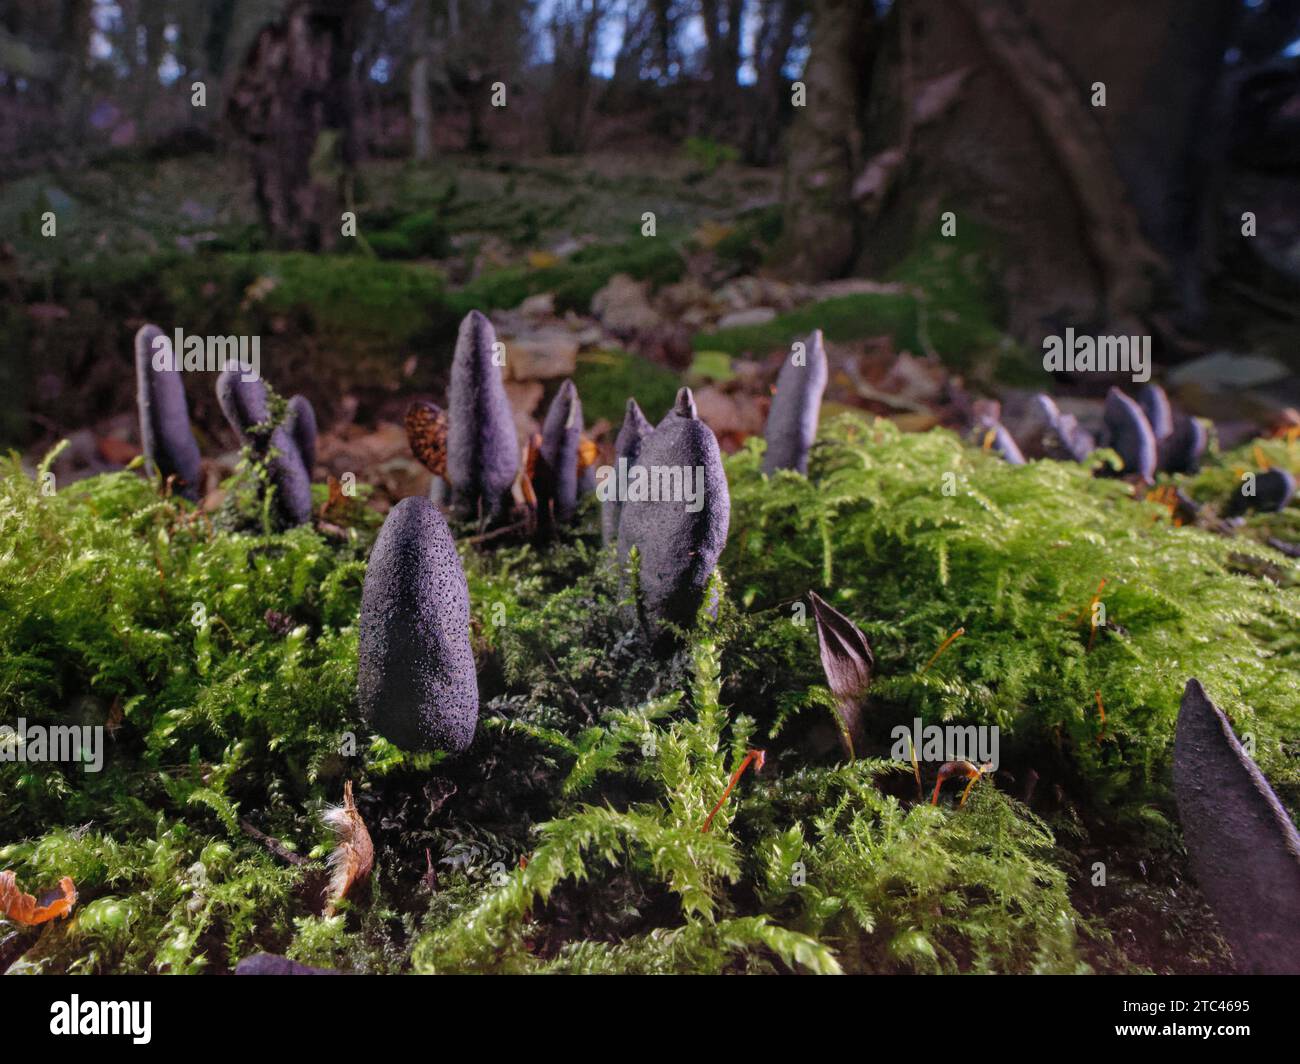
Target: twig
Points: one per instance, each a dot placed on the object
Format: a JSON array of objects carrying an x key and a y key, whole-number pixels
[{"x": 274, "y": 845}]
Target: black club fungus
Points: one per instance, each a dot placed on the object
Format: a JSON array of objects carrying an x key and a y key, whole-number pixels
[
  {"x": 245, "y": 405},
  {"x": 165, "y": 435},
  {"x": 627, "y": 446},
  {"x": 792, "y": 419},
  {"x": 556, "y": 479},
  {"x": 676, "y": 515},
  {"x": 416, "y": 681},
  {"x": 301, "y": 420},
  {"x": 482, "y": 449}
]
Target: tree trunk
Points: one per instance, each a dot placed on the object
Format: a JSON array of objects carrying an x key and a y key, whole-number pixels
[
  {"x": 421, "y": 98},
  {"x": 1088, "y": 203},
  {"x": 772, "y": 45},
  {"x": 819, "y": 238},
  {"x": 293, "y": 104}
]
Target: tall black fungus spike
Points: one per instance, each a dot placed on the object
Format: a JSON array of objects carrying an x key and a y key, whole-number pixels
[
  {"x": 1274, "y": 489},
  {"x": 678, "y": 540},
  {"x": 556, "y": 476},
  {"x": 482, "y": 449},
  {"x": 1244, "y": 849},
  {"x": 1183, "y": 450},
  {"x": 792, "y": 419},
  {"x": 626, "y": 447},
  {"x": 245, "y": 406},
  {"x": 165, "y": 434},
  {"x": 1129, "y": 435},
  {"x": 1160, "y": 416},
  {"x": 416, "y": 682},
  {"x": 301, "y": 420}
]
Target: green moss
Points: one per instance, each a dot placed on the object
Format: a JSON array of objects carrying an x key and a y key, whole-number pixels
[
  {"x": 606, "y": 379},
  {"x": 575, "y": 279},
  {"x": 599, "y": 765}
]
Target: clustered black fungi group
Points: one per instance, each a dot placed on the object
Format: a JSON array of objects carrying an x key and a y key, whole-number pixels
[
  {"x": 245, "y": 405},
  {"x": 678, "y": 542},
  {"x": 1147, "y": 434}
]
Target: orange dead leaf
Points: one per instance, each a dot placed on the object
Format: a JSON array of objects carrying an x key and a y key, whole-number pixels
[
  {"x": 426, "y": 433},
  {"x": 588, "y": 452},
  {"x": 354, "y": 854},
  {"x": 25, "y": 909}
]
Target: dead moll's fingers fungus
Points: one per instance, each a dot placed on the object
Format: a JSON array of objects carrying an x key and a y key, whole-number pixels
[
  {"x": 626, "y": 448},
  {"x": 796, "y": 406},
  {"x": 482, "y": 451},
  {"x": 676, "y": 515},
  {"x": 1129, "y": 434},
  {"x": 301, "y": 420},
  {"x": 1244, "y": 849},
  {"x": 416, "y": 680},
  {"x": 847, "y": 661},
  {"x": 245, "y": 405},
  {"x": 165, "y": 435},
  {"x": 556, "y": 474}
]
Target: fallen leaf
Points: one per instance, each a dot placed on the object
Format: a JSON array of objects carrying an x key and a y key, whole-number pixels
[
  {"x": 25, "y": 909},
  {"x": 426, "y": 432},
  {"x": 354, "y": 853}
]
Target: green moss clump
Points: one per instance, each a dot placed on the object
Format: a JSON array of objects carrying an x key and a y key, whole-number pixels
[
  {"x": 570, "y": 837},
  {"x": 606, "y": 379}
]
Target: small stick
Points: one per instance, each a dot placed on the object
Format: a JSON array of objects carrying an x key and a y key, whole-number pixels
[{"x": 274, "y": 845}]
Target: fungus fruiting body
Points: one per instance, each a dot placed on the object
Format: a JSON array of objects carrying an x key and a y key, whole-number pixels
[
  {"x": 165, "y": 435},
  {"x": 1243, "y": 847},
  {"x": 627, "y": 446},
  {"x": 1265, "y": 492},
  {"x": 416, "y": 680},
  {"x": 1129, "y": 434},
  {"x": 1182, "y": 450},
  {"x": 482, "y": 450},
  {"x": 556, "y": 475},
  {"x": 679, "y": 527},
  {"x": 246, "y": 408},
  {"x": 1160, "y": 416},
  {"x": 301, "y": 420},
  {"x": 796, "y": 406},
  {"x": 1054, "y": 434}
]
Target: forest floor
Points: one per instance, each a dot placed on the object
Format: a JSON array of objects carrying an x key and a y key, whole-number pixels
[{"x": 553, "y": 847}]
